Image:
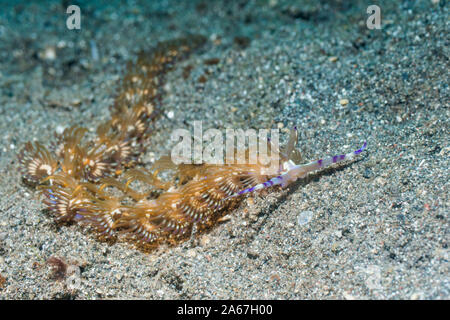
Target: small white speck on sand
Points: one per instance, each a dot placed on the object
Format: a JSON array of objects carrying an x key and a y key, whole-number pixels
[
  {"x": 343, "y": 102},
  {"x": 60, "y": 129},
  {"x": 304, "y": 217}
]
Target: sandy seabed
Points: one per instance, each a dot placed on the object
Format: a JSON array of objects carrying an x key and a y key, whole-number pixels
[{"x": 375, "y": 228}]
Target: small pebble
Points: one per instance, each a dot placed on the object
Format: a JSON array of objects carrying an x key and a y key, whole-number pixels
[
  {"x": 367, "y": 173},
  {"x": 348, "y": 296},
  {"x": 205, "y": 241},
  {"x": 380, "y": 181},
  {"x": 416, "y": 296},
  {"x": 191, "y": 253},
  {"x": 49, "y": 54},
  {"x": 252, "y": 254},
  {"x": 333, "y": 59},
  {"x": 304, "y": 217},
  {"x": 60, "y": 129}
]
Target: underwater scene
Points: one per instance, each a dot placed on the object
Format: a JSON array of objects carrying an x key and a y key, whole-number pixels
[{"x": 223, "y": 150}]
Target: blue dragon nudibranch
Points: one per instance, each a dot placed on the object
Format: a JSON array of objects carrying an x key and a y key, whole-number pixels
[{"x": 91, "y": 181}]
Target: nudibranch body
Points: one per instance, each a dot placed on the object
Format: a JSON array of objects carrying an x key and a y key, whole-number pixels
[{"x": 92, "y": 182}]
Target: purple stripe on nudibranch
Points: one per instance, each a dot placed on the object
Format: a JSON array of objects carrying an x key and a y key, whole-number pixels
[
  {"x": 247, "y": 190},
  {"x": 321, "y": 163}
]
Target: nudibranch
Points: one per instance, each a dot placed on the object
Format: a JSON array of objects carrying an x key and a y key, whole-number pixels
[{"x": 91, "y": 180}]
